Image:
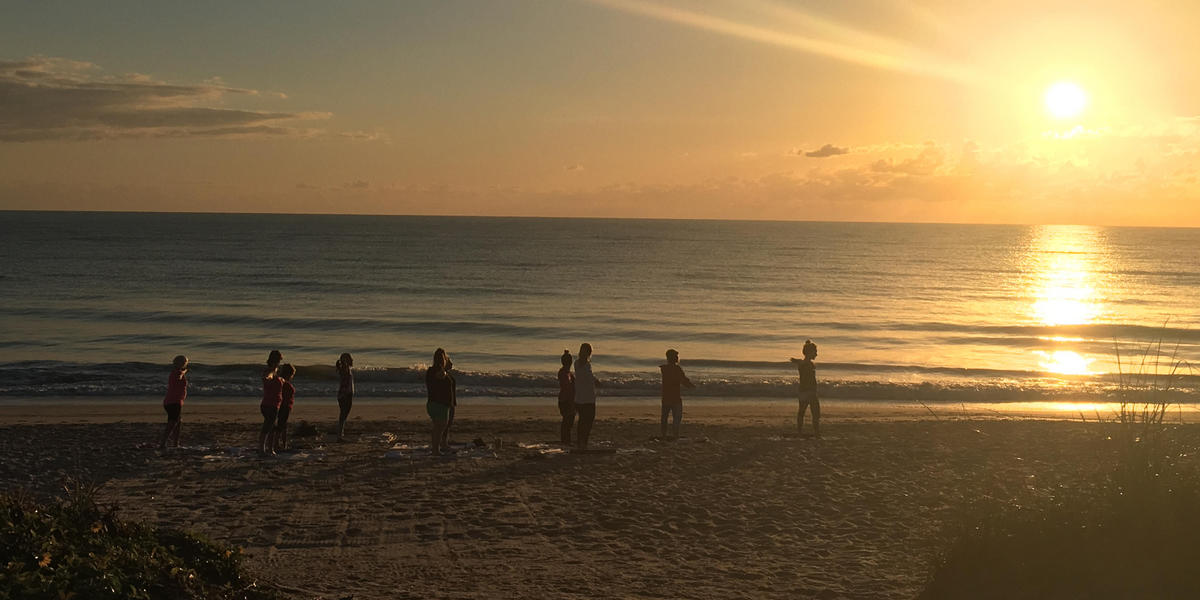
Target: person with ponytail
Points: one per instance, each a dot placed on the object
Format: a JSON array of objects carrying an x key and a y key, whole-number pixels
[
  {"x": 439, "y": 386},
  {"x": 177, "y": 383},
  {"x": 566, "y": 398},
  {"x": 807, "y": 372},
  {"x": 286, "y": 376},
  {"x": 269, "y": 407}
]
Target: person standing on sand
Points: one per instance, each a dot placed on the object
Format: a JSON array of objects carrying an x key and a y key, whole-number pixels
[
  {"x": 272, "y": 398},
  {"x": 808, "y": 389},
  {"x": 672, "y": 400},
  {"x": 173, "y": 402},
  {"x": 439, "y": 385},
  {"x": 287, "y": 373},
  {"x": 566, "y": 398},
  {"x": 585, "y": 395},
  {"x": 345, "y": 395}
]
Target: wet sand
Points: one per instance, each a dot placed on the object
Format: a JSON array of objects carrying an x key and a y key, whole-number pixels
[{"x": 740, "y": 508}]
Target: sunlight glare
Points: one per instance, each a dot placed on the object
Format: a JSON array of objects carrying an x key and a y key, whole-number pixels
[
  {"x": 1065, "y": 100},
  {"x": 1065, "y": 362},
  {"x": 1064, "y": 263}
]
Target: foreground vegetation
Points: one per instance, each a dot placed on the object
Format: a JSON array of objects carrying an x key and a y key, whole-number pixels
[
  {"x": 73, "y": 548},
  {"x": 1135, "y": 533}
]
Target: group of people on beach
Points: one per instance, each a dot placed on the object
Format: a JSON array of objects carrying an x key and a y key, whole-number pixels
[
  {"x": 279, "y": 396},
  {"x": 576, "y": 397}
]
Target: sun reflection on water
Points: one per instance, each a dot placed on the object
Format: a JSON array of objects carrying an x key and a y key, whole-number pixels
[
  {"x": 1065, "y": 362},
  {"x": 1063, "y": 263}
]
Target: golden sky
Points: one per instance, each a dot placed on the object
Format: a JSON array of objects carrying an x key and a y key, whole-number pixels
[{"x": 741, "y": 109}]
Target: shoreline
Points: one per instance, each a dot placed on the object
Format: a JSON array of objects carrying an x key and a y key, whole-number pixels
[{"x": 727, "y": 411}]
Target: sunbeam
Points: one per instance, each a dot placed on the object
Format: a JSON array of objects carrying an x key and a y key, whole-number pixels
[{"x": 855, "y": 47}]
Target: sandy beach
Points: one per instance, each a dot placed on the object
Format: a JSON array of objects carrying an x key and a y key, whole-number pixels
[{"x": 739, "y": 508}]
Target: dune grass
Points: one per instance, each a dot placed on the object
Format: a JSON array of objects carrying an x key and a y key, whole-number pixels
[
  {"x": 71, "y": 547},
  {"x": 1135, "y": 533}
]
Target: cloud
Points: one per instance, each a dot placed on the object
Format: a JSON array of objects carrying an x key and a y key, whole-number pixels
[
  {"x": 46, "y": 98},
  {"x": 575, "y": 168},
  {"x": 368, "y": 136},
  {"x": 358, "y": 184},
  {"x": 824, "y": 151},
  {"x": 925, "y": 163}
]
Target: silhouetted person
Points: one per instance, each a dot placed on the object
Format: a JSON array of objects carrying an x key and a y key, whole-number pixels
[
  {"x": 672, "y": 400},
  {"x": 808, "y": 388},
  {"x": 272, "y": 398},
  {"x": 287, "y": 400},
  {"x": 173, "y": 402},
  {"x": 345, "y": 394},
  {"x": 439, "y": 384},
  {"x": 585, "y": 395},
  {"x": 566, "y": 398}
]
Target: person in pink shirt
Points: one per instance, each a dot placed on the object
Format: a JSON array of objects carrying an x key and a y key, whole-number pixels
[
  {"x": 287, "y": 373},
  {"x": 269, "y": 407},
  {"x": 173, "y": 402}
]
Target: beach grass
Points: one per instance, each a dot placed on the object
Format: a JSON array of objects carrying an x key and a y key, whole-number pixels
[
  {"x": 1131, "y": 533},
  {"x": 72, "y": 547}
]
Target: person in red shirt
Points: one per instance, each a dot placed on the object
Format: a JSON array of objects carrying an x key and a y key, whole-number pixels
[
  {"x": 287, "y": 373},
  {"x": 272, "y": 398},
  {"x": 672, "y": 400},
  {"x": 173, "y": 402}
]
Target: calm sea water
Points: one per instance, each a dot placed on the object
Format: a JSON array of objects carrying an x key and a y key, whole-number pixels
[{"x": 98, "y": 303}]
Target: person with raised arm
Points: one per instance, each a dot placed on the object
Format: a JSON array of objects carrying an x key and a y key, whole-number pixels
[
  {"x": 672, "y": 399},
  {"x": 440, "y": 388}
]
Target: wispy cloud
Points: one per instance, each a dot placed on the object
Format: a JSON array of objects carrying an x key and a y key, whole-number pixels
[
  {"x": 805, "y": 33},
  {"x": 45, "y": 98}
]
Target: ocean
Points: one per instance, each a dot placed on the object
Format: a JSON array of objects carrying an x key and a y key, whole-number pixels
[{"x": 97, "y": 304}]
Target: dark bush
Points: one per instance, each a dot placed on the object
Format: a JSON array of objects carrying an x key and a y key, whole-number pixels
[
  {"x": 72, "y": 548},
  {"x": 1081, "y": 547}
]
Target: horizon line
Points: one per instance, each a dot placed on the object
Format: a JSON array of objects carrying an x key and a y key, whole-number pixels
[{"x": 593, "y": 218}]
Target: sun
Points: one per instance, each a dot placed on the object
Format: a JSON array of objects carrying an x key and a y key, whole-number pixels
[{"x": 1065, "y": 99}]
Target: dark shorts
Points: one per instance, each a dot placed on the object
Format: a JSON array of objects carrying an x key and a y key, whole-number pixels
[
  {"x": 809, "y": 397},
  {"x": 281, "y": 417},
  {"x": 269, "y": 413},
  {"x": 173, "y": 411},
  {"x": 566, "y": 408},
  {"x": 438, "y": 411}
]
